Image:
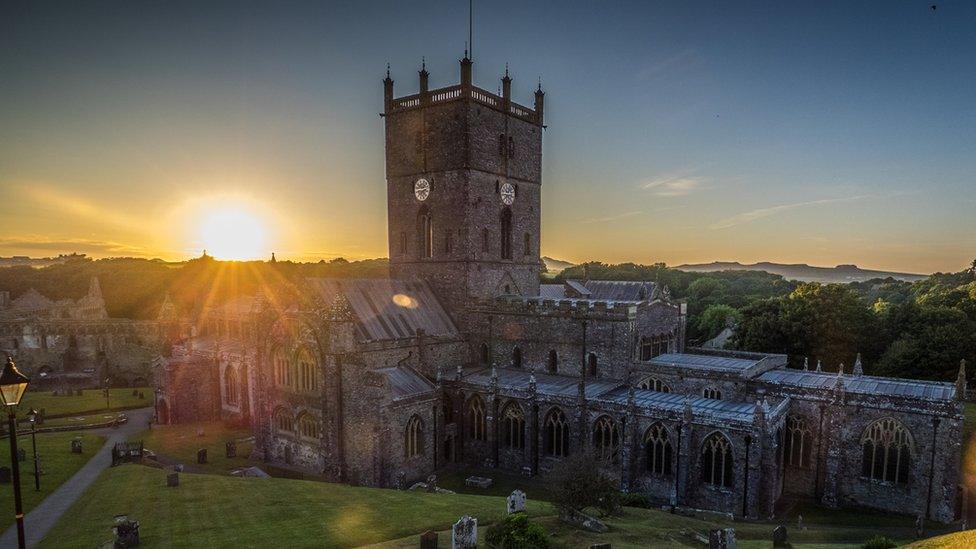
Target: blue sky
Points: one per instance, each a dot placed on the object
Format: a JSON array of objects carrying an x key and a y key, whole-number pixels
[{"x": 679, "y": 132}]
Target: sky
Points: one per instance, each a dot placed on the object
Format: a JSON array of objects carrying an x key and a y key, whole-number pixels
[{"x": 678, "y": 132}]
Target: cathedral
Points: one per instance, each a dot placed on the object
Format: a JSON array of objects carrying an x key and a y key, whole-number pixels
[{"x": 461, "y": 358}]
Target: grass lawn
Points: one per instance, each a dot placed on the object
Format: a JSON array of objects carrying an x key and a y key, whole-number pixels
[
  {"x": 57, "y": 462},
  {"x": 180, "y": 443},
  {"x": 949, "y": 541},
  {"x": 224, "y": 511},
  {"x": 90, "y": 401},
  {"x": 101, "y": 417}
]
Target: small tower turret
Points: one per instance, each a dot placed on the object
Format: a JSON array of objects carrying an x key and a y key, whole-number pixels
[
  {"x": 540, "y": 98},
  {"x": 387, "y": 91},
  {"x": 424, "y": 78},
  {"x": 506, "y": 89},
  {"x": 466, "y": 71}
]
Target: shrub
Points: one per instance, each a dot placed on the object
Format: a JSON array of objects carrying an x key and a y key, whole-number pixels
[
  {"x": 879, "y": 542},
  {"x": 579, "y": 482},
  {"x": 517, "y": 532},
  {"x": 635, "y": 500}
]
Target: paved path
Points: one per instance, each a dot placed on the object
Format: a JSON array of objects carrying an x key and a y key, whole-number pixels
[{"x": 41, "y": 519}]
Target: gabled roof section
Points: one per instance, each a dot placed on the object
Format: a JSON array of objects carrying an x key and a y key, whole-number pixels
[
  {"x": 32, "y": 300},
  {"x": 747, "y": 365},
  {"x": 620, "y": 290},
  {"x": 387, "y": 309},
  {"x": 867, "y": 385},
  {"x": 405, "y": 382}
]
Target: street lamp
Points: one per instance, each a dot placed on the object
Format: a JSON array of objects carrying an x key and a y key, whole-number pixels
[
  {"x": 13, "y": 384},
  {"x": 37, "y": 471},
  {"x": 108, "y": 405}
]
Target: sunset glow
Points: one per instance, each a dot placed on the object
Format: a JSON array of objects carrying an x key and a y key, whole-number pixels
[{"x": 234, "y": 233}]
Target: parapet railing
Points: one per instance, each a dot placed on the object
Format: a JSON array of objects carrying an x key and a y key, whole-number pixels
[{"x": 454, "y": 93}]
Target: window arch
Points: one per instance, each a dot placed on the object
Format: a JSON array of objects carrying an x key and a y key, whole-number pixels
[
  {"x": 712, "y": 393},
  {"x": 657, "y": 450},
  {"x": 513, "y": 427},
  {"x": 797, "y": 443},
  {"x": 485, "y": 240},
  {"x": 305, "y": 379},
  {"x": 527, "y": 244},
  {"x": 557, "y": 434},
  {"x": 283, "y": 421},
  {"x": 552, "y": 366},
  {"x": 308, "y": 426},
  {"x": 477, "y": 428},
  {"x": 591, "y": 365},
  {"x": 887, "y": 450},
  {"x": 413, "y": 442},
  {"x": 448, "y": 407},
  {"x": 506, "y": 222},
  {"x": 654, "y": 384},
  {"x": 606, "y": 439},
  {"x": 484, "y": 353},
  {"x": 425, "y": 232},
  {"x": 716, "y": 461},
  {"x": 516, "y": 357},
  {"x": 279, "y": 364},
  {"x": 232, "y": 389}
]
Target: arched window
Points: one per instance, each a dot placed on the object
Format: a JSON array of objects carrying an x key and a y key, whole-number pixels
[
  {"x": 654, "y": 384},
  {"x": 652, "y": 346},
  {"x": 485, "y": 240},
  {"x": 552, "y": 366},
  {"x": 484, "y": 353},
  {"x": 448, "y": 408},
  {"x": 305, "y": 380},
  {"x": 425, "y": 232},
  {"x": 887, "y": 450},
  {"x": 513, "y": 427},
  {"x": 591, "y": 367},
  {"x": 403, "y": 243},
  {"x": 280, "y": 365},
  {"x": 606, "y": 439},
  {"x": 528, "y": 244},
  {"x": 712, "y": 393},
  {"x": 657, "y": 449},
  {"x": 557, "y": 434},
  {"x": 232, "y": 388},
  {"x": 283, "y": 421},
  {"x": 516, "y": 357},
  {"x": 506, "y": 220},
  {"x": 797, "y": 443},
  {"x": 308, "y": 426},
  {"x": 413, "y": 441},
  {"x": 716, "y": 461},
  {"x": 477, "y": 428}
]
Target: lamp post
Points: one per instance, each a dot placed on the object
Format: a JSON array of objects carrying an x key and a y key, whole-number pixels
[
  {"x": 108, "y": 405},
  {"x": 13, "y": 384},
  {"x": 37, "y": 470}
]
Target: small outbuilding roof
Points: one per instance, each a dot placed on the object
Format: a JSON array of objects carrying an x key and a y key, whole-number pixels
[{"x": 405, "y": 382}]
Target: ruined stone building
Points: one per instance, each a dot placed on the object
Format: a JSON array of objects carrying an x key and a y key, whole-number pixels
[
  {"x": 74, "y": 343},
  {"x": 463, "y": 359}
]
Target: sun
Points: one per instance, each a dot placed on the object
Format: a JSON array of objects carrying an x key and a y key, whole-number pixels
[{"x": 233, "y": 233}]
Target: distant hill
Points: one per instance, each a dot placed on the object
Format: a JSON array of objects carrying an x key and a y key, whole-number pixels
[
  {"x": 555, "y": 266},
  {"x": 803, "y": 272}
]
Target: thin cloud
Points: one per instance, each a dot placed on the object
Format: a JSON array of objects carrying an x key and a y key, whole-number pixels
[
  {"x": 612, "y": 217},
  {"x": 750, "y": 216},
  {"x": 673, "y": 185},
  {"x": 69, "y": 245}
]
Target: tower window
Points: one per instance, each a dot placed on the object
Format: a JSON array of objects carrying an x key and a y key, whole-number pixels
[
  {"x": 553, "y": 365},
  {"x": 528, "y": 244},
  {"x": 511, "y": 147},
  {"x": 591, "y": 365},
  {"x": 426, "y": 229},
  {"x": 507, "y": 233},
  {"x": 517, "y": 357},
  {"x": 485, "y": 240},
  {"x": 501, "y": 147},
  {"x": 403, "y": 243}
]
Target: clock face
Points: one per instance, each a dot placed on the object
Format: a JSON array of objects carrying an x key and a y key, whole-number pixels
[
  {"x": 421, "y": 189},
  {"x": 508, "y": 193}
]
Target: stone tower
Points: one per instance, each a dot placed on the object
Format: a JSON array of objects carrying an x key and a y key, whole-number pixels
[{"x": 463, "y": 173}]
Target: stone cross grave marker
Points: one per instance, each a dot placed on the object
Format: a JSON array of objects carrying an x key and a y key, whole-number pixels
[
  {"x": 723, "y": 538},
  {"x": 516, "y": 502},
  {"x": 464, "y": 534}
]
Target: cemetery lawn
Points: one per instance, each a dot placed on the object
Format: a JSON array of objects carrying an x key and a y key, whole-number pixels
[
  {"x": 57, "y": 463},
  {"x": 949, "y": 541},
  {"x": 91, "y": 401},
  {"x": 225, "y": 511},
  {"x": 179, "y": 444}
]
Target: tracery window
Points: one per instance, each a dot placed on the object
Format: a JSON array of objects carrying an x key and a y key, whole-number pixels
[
  {"x": 477, "y": 428},
  {"x": 516, "y": 357},
  {"x": 557, "y": 434},
  {"x": 484, "y": 353},
  {"x": 654, "y": 384},
  {"x": 413, "y": 442},
  {"x": 513, "y": 427},
  {"x": 282, "y": 420},
  {"x": 716, "y": 461},
  {"x": 657, "y": 450},
  {"x": 308, "y": 426},
  {"x": 552, "y": 366},
  {"x": 887, "y": 450},
  {"x": 797, "y": 443},
  {"x": 506, "y": 222},
  {"x": 305, "y": 380},
  {"x": 606, "y": 439},
  {"x": 652, "y": 346},
  {"x": 712, "y": 393},
  {"x": 232, "y": 389},
  {"x": 280, "y": 366}
]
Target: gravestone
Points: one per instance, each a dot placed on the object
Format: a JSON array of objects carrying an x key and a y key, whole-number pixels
[
  {"x": 722, "y": 538},
  {"x": 432, "y": 483},
  {"x": 39, "y": 419},
  {"x": 173, "y": 479},
  {"x": 919, "y": 526},
  {"x": 126, "y": 532},
  {"x": 464, "y": 534},
  {"x": 516, "y": 502},
  {"x": 4, "y": 475},
  {"x": 230, "y": 449},
  {"x": 478, "y": 482},
  {"x": 135, "y": 392},
  {"x": 799, "y": 522},
  {"x": 428, "y": 540},
  {"x": 76, "y": 446},
  {"x": 202, "y": 456},
  {"x": 178, "y": 467},
  {"x": 21, "y": 454},
  {"x": 779, "y": 537},
  {"x": 142, "y": 396}
]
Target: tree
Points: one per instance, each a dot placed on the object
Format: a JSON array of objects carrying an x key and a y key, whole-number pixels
[
  {"x": 579, "y": 482},
  {"x": 516, "y": 531},
  {"x": 715, "y": 318}
]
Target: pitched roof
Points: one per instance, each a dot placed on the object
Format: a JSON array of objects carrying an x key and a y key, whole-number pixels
[
  {"x": 620, "y": 290},
  {"x": 869, "y": 385},
  {"x": 388, "y": 309},
  {"x": 405, "y": 382}
]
